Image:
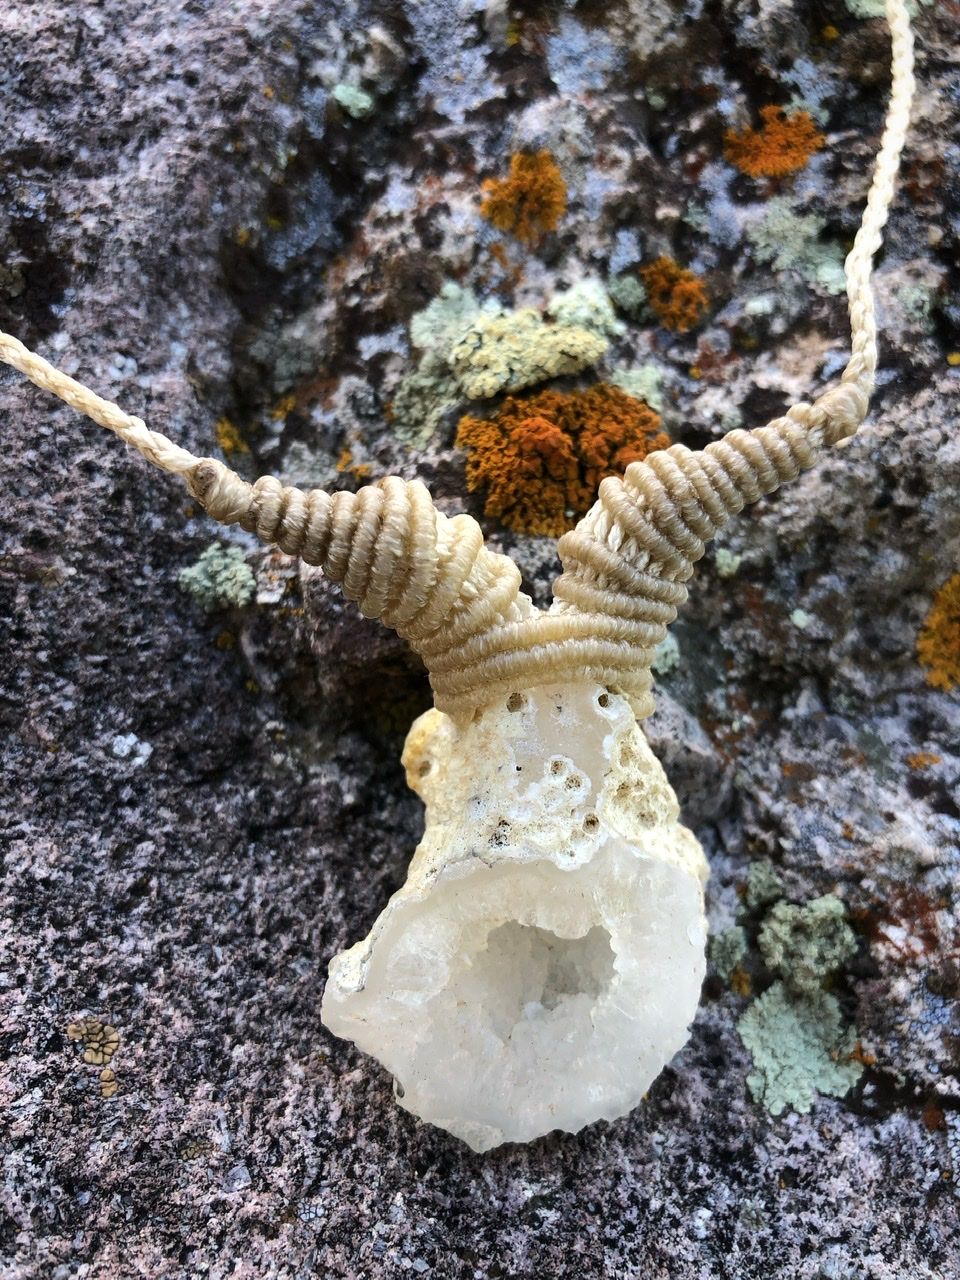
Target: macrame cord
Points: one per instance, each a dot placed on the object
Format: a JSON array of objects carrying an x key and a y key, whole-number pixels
[{"x": 625, "y": 565}]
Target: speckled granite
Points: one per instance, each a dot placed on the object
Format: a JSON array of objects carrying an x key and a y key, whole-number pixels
[{"x": 197, "y": 809}]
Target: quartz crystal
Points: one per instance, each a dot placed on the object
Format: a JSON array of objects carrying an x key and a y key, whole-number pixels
[{"x": 544, "y": 959}]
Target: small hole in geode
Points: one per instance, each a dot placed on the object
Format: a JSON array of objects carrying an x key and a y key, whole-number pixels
[
  {"x": 591, "y": 824},
  {"x": 425, "y": 768},
  {"x": 398, "y": 1089},
  {"x": 500, "y": 834},
  {"x": 516, "y": 702},
  {"x": 603, "y": 700}
]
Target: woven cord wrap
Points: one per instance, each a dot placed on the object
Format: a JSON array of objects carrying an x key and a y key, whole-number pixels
[
  {"x": 624, "y": 565},
  {"x": 400, "y": 559},
  {"x": 629, "y": 557}
]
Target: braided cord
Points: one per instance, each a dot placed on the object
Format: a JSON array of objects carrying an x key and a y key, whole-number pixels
[
  {"x": 400, "y": 559},
  {"x": 156, "y": 448},
  {"x": 625, "y": 564}
]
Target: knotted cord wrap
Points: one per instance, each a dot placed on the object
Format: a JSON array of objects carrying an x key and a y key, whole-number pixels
[
  {"x": 401, "y": 560},
  {"x": 648, "y": 530},
  {"x": 626, "y": 563}
]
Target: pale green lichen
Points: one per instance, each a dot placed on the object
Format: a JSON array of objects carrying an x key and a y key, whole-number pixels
[
  {"x": 728, "y": 950},
  {"x": 430, "y": 391},
  {"x": 422, "y": 399},
  {"x": 629, "y": 295},
  {"x": 586, "y": 305},
  {"x": 917, "y": 302},
  {"x": 355, "y": 101},
  {"x": 644, "y": 383},
  {"x": 666, "y": 655},
  {"x": 731, "y": 419},
  {"x": 438, "y": 326},
  {"x": 727, "y": 562},
  {"x": 220, "y": 578},
  {"x": 804, "y": 945},
  {"x": 800, "y": 1047},
  {"x": 695, "y": 215},
  {"x": 791, "y": 241},
  {"x": 518, "y": 349},
  {"x": 474, "y": 350},
  {"x": 763, "y": 885}
]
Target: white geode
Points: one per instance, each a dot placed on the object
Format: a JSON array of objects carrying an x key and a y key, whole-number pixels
[{"x": 543, "y": 961}]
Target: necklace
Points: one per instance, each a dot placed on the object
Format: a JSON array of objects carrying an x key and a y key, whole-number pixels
[{"x": 544, "y": 959}]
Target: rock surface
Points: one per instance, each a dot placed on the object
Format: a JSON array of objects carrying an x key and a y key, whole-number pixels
[{"x": 198, "y": 809}]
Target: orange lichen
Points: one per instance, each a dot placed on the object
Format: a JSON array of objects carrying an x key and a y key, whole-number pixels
[
  {"x": 676, "y": 295},
  {"x": 938, "y": 644},
  {"x": 531, "y": 201},
  {"x": 283, "y": 407},
  {"x": 782, "y": 145},
  {"x": 862, "y": 1055},
  {"x": 541, "y": 458},
  {"x": 740, "y": 983},
  {"x": 229, "y": 438},
  {"x": 359, "y": 470},
  {"x": 922, "y": 760}
]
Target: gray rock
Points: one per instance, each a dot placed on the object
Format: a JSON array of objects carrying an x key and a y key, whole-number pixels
[{"x": 697, "y": 772}]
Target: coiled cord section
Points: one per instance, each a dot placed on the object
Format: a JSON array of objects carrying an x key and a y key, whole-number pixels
[
  {"x": 626, "y": 563},
  {"x": 401, "y": 560},
  {"x": 631, "y": 556},
  {"x": 459, "y": 605}
]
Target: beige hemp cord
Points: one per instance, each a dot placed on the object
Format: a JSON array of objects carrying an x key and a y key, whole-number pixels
[{"x": 624, "y": 565}]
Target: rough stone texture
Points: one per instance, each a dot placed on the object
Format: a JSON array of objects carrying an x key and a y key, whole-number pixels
[{"x": 197, "y": 811}]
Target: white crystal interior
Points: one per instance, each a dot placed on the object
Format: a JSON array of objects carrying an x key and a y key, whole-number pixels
[{"x": 544, "y": 959}]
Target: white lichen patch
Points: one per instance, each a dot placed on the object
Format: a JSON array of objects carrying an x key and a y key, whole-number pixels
[{"x": 543, "y": 961}]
